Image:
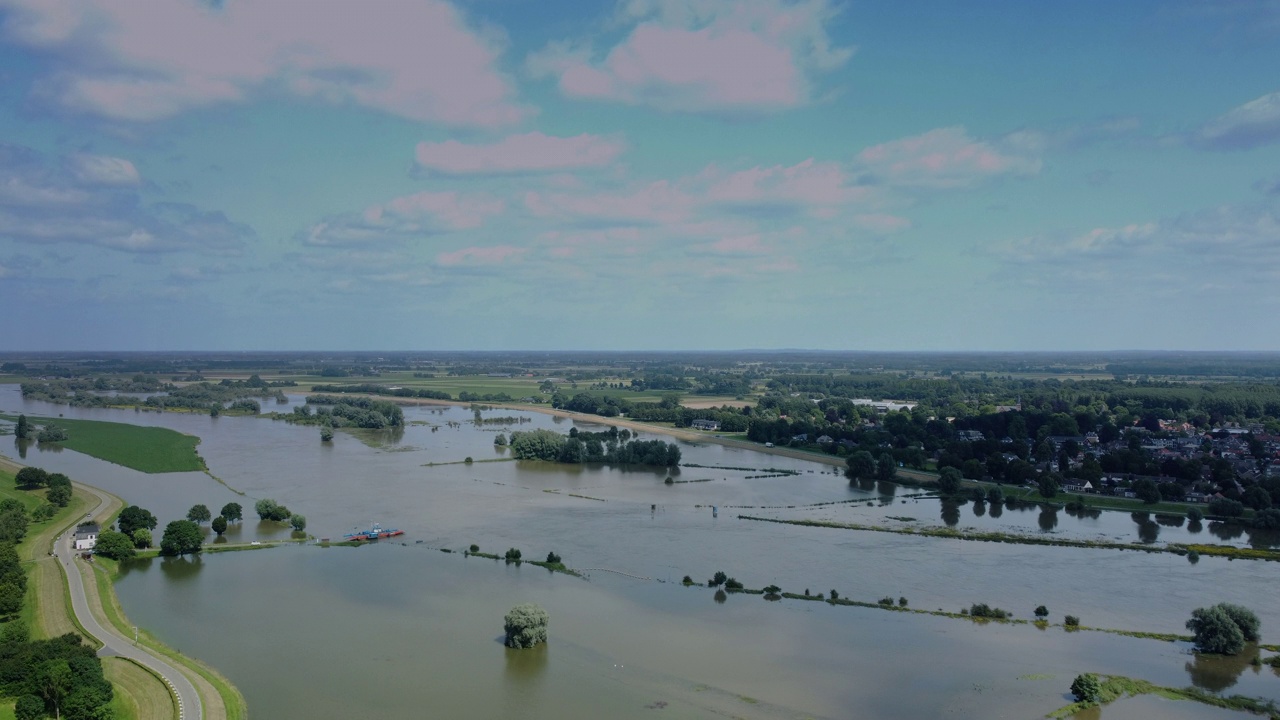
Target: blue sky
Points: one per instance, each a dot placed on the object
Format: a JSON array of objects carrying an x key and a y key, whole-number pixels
[{"x": 706, "y": 174}]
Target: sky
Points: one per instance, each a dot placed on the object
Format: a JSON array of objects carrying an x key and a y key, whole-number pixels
[{"x": 646, "y": 174}]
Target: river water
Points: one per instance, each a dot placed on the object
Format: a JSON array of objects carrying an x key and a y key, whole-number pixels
[{"x": 405, "y": 629}]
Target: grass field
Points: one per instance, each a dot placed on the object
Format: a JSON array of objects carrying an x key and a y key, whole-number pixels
[
  {"x": 139, "y": 695},
  {"x": 146, "y": 449}
]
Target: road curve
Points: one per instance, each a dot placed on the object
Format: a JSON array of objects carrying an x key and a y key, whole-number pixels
[{"x": 113, "y": 643}]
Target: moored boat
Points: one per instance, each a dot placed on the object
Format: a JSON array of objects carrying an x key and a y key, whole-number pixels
[{"x": 376, "y": 532}]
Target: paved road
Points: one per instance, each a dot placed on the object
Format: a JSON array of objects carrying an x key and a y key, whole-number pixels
[{"x": 113, "y": 643}]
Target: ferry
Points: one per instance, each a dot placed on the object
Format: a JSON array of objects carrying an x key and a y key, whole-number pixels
[{"x": 376, "y": 532}]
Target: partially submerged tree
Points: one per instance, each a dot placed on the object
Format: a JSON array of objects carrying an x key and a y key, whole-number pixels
[
  {"x": 232, "y": 512},
  {"x": 219, "y": 525},
  {"x": 1086, "y": 687},
  {"x": 526, "y": 626},
  {"x": 199, "y": 514},
  {"x": 1223, "y": 628},
  {"x": 133, "y": 517},
  {"x": 181, "y": 537}
]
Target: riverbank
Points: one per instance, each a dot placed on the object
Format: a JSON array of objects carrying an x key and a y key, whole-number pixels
[{"x": 50, "y": 611}]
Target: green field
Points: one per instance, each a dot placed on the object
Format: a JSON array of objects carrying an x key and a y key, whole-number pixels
[{"x": 146, "y": 449}]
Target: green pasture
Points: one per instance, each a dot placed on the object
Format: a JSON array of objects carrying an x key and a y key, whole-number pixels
[{"x": 146, "y": 449}]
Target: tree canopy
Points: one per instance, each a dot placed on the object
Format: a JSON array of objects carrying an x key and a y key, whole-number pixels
[
  {"x": 525, "y": 626},
  {"x": 1223, "y": 628},
  {"x": 133, "y": 517},
  {"x": 180, "y": 538}
]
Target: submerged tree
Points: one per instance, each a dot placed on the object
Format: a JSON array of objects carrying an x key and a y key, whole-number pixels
[
  {"x": 1086, "y": 687},
  {"x": 526, "y": 626},
  {"x": 181, "y": 537},
  {"x": 219, "y": 525},
  {"x": 1223, "y": 628}
]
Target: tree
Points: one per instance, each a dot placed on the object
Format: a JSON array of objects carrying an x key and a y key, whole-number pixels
[
  {"x": 501, "y": 440},
  {"x": 552, "y": 558},
  {"x": 1042, "y": 611},
  {"x": 268, "y": 509},
  {"x": 1268, "y": 519},
  {"x": 1195, "y": 515},
  {"x": 299, "y": 522},
  {"x": 13, "y": 524},
  {"x": 1223, "y": 628},
  {"x": 29, "y": 707},
  {"x": 59, "y": 495},
  {"x": 862, "y": 466},
  {"x": 55, "y": 683},
  {"x": 114, "y": 545},
  {"x": 1048, "y": 485},
  {"x": 31, "y": 477},
  {"x": 51, "y": 433},
  {"x": 718, "y": 579},
  {"x": 11, "y": 596},
  {"x": 232, "y": 512},
  {"x": 525, "y": 626},
  {"x": 142, "y": 538},
  {"x": 181, "y": 537},
  {"x": 326, "y": 433},
  {"x": 219, "y": 525},
  {"x": 949, "y": 481},
  {"x": 513, "y": 555},
  {"x": 1225, "y": 507},
  {"x": 23, "y": 430},
  {"x": 886, "y": 467},
  {"x": 1256, "y": 498},
  {"x": 133, "y": 518},
  {"x": 1086, "y": 687},
  {"x": 199, "y": 514},
  {"x": 1146, "y": 491}
]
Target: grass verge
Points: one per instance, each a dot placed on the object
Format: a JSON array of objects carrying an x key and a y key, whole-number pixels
[{"x": 139, "y": 693}]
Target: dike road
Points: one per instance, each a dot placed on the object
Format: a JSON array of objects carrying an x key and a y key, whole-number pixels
[{"x": 113, "y": 643}]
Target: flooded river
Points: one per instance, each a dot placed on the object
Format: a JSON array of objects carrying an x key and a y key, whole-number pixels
[{"x": 406, "y": 630}]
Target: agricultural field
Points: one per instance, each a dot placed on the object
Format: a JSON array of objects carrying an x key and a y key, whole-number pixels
[{"x": 145, "y": 449}]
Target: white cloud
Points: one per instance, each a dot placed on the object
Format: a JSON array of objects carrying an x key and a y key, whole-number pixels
[
  {"x": 145, "y": 61},
  {"x": 527, "y": 153},
  {"x": 104, "y": 170},
  {"x": 91, "y": 200},
  {"x": 950, "y": 158},
  {"x": 708, "y": 56},
  {"x": 409, "y": 217},
  {"x": 1250, "y": 125}
]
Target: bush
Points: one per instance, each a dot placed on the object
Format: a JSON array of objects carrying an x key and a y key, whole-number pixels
[
  {"x": 1224, "y": 507},
  {"x": 717, "y": 579},
  {"x": 834, "y": 595},
  {"x": 525, "y": 626},
  {"x": 1042, "y": 611},
  {"x": 513, "y": 555},
  {"x": 982, "y": 610},
  {"x": 1223, "y": 628},
  {"x": 902, "y": 602},
  {"x": 687, "y": 580},
  {"x": 1071, "y": 621},
  {"x": 732, "y": 584},
  {"x": 1086, "y": 687},
  {"x": 475, "y": 548},
  {"x": 553, "y": 558},
  {"x": 1195, "y": 514},
  {"x": 298, "y": 522}
]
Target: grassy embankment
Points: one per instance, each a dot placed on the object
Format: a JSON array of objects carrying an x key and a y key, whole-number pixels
[
  {"x": 46, "y": 610},
  {"x": 220, "y": 697},
  {"x": 145, "y": 449}
]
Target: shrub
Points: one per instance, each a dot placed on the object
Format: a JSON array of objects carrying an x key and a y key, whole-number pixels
[
  {"x": 717, "y": 579},
  {"x": 525, "y": 626},
  {"x": 886, "y": 601},
  {"x": 1223, "y": 628},
  {"x": 468, "y": 461},
  {"x": 687, "y": 580},
  {"x": 513, "y": 555},
  {"x": 902, "y": 602},
  {"x": 553, "y": 558},
  {"x": 834, "y": 595},
  {"x": 1086, "y": 687},
  {"x": 1042, "y": 611},
  {"x": 732, "y": 584},
  {"x": 298, "y": 522},
  {"x": 1071, "y": 621},
  {"x": 1195, "y": 514},
  {"x": 982, "y": 610},
  {"x": 475, "y": 548}
]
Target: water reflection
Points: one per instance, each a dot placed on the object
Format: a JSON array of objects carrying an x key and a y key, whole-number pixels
[
  {"x": 979, "y": 508},
  {"x": 887, "y": 489},
  {"x": 720, "y": 597},
  {"x": 997, "y": 509},
  {"x": 1219, "y": 672},
  {"x": 180, "y": 569},
  {"x": 950, "y": 513},
  {"x": 1225, "y": 531},
  {"x": 1082, "y": 512},
  {"x": 1048, "y": 518},
  {"x": 1148, "y": 532},
  {"x": 1171, "y": 520},
  {"x": 525, "y": 666},
  {"x": 1194, "y": 526}
]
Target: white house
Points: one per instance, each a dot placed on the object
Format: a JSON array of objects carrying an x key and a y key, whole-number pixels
[
  {"x": 706, "y": 425},
  {"x": 86, "y": 536}
]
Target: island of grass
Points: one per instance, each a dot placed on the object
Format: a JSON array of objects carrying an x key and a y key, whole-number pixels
[{"x": 145, "y": 449}]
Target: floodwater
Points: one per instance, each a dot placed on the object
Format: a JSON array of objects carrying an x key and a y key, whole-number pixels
[{"x": 311, "y": 632}]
